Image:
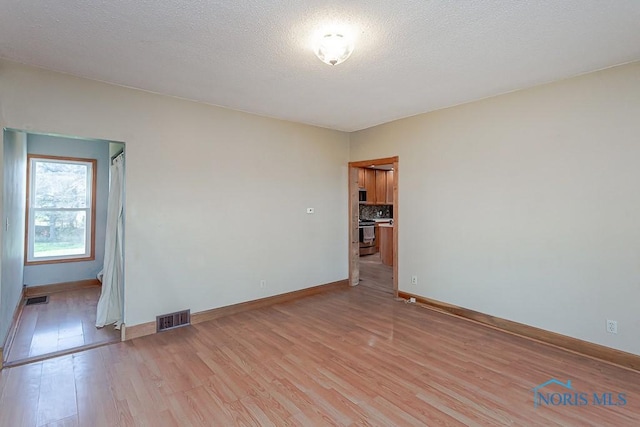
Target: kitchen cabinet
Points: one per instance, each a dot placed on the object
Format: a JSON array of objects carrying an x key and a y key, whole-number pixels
[
  {"x": 378, "y": 185},
  {"x": 389, "y": 189},
  {"x": 381, "y": 188},
  {"x": 370, "y": 185},
  {"x": 361, "y": 178},
  {"x": 385, "y": 236}
]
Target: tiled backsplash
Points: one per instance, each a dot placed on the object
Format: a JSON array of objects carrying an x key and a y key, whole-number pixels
[{"x": 375, "y": 211}]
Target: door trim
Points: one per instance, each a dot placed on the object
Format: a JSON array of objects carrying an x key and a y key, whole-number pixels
[{"x": 354, "y": 256}]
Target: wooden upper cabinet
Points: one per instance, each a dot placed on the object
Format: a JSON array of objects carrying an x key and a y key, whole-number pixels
[
  {"x": 361, "y": 178},
  {"x": 381, "y": 188},
  {"x": 370, "y": 185},
  {"x": 378, "y": 185},
  {"x": 389, "y": 195}
]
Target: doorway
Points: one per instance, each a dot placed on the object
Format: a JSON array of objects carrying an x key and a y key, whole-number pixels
[
  {"x": 373, "y": 219},
  {"x": 57, "y": 241}
]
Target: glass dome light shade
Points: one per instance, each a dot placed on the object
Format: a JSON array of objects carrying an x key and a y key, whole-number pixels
[{"x": 334, "y": 49}]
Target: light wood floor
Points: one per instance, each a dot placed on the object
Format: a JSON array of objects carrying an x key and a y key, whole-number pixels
[
  {"x": 66, "y": 321},
  {"x": 349, "y": 357},
  {"x": 375, "y": 275}
]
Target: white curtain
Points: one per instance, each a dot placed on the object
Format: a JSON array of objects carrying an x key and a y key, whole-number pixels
[{"x": 110, "y": 304}]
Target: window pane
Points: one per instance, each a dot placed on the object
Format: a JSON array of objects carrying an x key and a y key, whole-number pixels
[
  {"x": 60, "y": 185},
  {"x": 59, "y": 233}
]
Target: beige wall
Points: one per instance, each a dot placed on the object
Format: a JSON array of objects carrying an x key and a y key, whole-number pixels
[
  {"x": 215, "y": 199},
  {"x": 526, "y": 206},
  {"x": 523, "y": 206}
]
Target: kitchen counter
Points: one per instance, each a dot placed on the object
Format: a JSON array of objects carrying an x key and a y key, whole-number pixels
[
  {"x": 385, "y": 225},
  {"x": 386, "y": 243}
]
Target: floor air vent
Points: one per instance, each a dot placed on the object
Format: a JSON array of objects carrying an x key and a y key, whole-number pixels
[
  {"x": 173, "y": 320},
  {"x": 37, "y": 300}
]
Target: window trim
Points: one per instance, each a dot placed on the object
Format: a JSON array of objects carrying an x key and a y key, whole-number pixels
[{"x": 28, "y": 212}]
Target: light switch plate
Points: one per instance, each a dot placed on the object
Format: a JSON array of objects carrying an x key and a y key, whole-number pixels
[{"x": 310, "y": 210}]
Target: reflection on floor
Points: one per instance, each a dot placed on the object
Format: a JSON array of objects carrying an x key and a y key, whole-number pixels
[
  {"x": 66, "y": 322},
  {"x": 374, "y": 274}
]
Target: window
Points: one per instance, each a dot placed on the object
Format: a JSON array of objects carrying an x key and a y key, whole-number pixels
[{"x": 60, "y": 209}]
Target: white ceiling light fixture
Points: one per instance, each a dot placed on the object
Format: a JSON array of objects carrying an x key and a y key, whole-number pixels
[{"x": 334, "y": 48}]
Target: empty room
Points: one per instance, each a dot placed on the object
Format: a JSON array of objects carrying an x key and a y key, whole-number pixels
[{"x": 320, "y": 213}]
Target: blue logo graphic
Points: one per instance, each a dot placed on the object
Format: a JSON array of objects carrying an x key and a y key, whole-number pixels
[{"x": 570, "y": 397}]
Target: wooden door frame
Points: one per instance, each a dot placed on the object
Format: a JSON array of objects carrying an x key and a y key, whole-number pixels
[{"x": 354, "y": 237}]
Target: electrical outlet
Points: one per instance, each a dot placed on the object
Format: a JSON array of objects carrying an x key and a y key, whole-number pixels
[
  {"x": 263, "y": 283},
  {"x": 414, "y": 280},
  {"x": 412, "y": 300},
  {"x": 612, "y": 326}
]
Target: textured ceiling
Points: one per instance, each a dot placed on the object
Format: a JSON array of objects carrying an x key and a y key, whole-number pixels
[{"x": 410, "y": 57}]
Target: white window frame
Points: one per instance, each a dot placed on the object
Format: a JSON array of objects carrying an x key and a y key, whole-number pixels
[{"x": 89, "y": 254}]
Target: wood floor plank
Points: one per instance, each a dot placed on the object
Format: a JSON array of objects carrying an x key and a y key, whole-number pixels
[
  {"x": 257, "y": 411},
  {"x": 96, "y": 405},
  {"x": 71, "y": 421},
  {"x": 19, "y": 400},
  {"x": 193, "y": 407},
  {"x": 57, "y": 397},
  {"x": 350, "y": 357},
  {"x": 153, "y": 418},
  {"x": 66, "y": 321},
  {"x": 375, "y": 275},
  {"x": 239, "y": 415},
  {"x": 22, "y": 340}
]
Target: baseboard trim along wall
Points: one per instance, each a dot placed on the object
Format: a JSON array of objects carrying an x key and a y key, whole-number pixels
[
  {"x": 149, "y": 328},
  {"x": 585, "y": 348},
  {"x": 13, "y": 327},
  {"x": 34, "y": 291}
]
